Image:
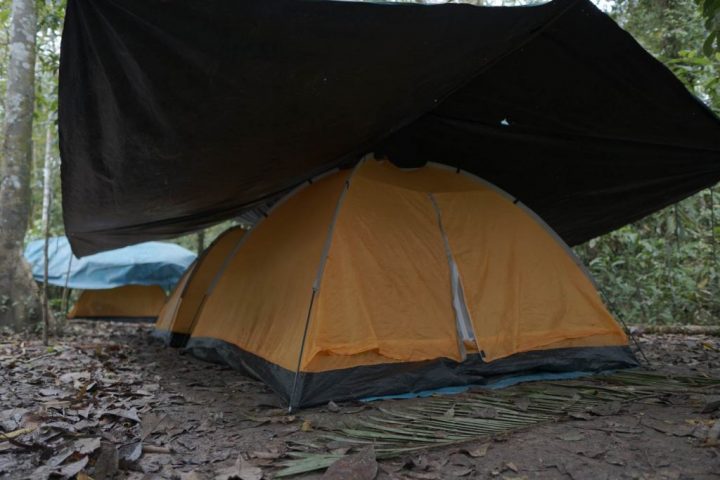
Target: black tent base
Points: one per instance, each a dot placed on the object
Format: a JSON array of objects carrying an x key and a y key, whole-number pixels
[
  {"x": 171, "y": 339},
  {"x": 400, "y": 378}
]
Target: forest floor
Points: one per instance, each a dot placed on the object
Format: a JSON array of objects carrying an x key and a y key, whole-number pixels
[{"x": 107, "y": 402}]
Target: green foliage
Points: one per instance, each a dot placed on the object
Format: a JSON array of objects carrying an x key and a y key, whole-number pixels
[
  {"x": 700, "y": 73},
  {"x": 710, "y": 10},
  {"x": 663, "y": 269},
  {"x": 674, "y": 31},
  {"x": 190, "y": 241}
]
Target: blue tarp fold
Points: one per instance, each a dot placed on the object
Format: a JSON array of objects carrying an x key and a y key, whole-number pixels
[{"x": 150, "y": 263}]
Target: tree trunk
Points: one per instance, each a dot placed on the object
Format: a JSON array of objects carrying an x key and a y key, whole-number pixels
[
  {"x": 47, "y": 196},
  {"x": 19, "y": 301}
]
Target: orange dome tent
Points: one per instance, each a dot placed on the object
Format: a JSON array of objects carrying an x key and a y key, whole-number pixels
[
  {"x": 381, "y": 280},
  {"x": 177, "y": 317},
  {"x": 126, "y": 302}
]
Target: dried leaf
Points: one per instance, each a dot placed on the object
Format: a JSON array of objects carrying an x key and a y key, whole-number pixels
[
  {"x": 192, "y": 476},
  {"x": 269, "y": 400},
  {"x": 43, "y": 472},
  {"x": 85, "y": 425},
  {"x": 459, "y": 471},
  {"x": 107, "y": 462},
  {"x": 131, "y": 452},
  {"x": 11, "y": 419},
  {"x": 477, "y": 452},
  {"x": 571, "y": 437},
  {"x": 580, "y": 415},
  {"x": 130, "y": 414},
  {"x": 712, "y": 403},
  {"x": 152, "y": 423},
  {"x": 73, "y": 376},
  {"x": 86, "y": 446},
  {"x": 241, "y": 470},
  {"x": 420, "y": 462},
  {"x": 713, "y": 437},
  {"x": 605, "y": 409},
  {"x": 668, "y": 428},
  {"x": 460, "y": 459},
  {"x": 271, "y": 455},
  {"x": 65, "y": 471},
  {"x": 50, "y": 392},
  {"x": 424, "y": 475},
  {"x": 59, "y": 458},
  {"x": 72, "y": 469},
  {"x": 64, "y": 426},
  {"x": 360, "y": 466}
]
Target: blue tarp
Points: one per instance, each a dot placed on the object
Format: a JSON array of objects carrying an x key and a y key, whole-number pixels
[
  {"x": 150, "y": 263},
  {"x": 503, "y": 382}
]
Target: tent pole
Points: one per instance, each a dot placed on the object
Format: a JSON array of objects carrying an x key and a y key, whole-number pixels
[
  {"x": 630, "y": 334},
  {"x": 291, "y": 399},
  {"x": 241, "y": 241},
  {"x": 318, "y": 277}
]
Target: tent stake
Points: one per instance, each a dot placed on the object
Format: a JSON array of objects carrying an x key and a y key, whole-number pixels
[{"x": 625, "y": 325}]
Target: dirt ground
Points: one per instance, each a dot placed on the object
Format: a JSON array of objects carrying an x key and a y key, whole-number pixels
[{"x": 105, "y": 401}]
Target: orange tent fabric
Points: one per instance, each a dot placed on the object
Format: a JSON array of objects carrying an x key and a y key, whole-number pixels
[
  {"x": 268, "y": 284},
  {"x": 378, "y": 269},
  {"x": 129, "y": 301},
  {"x": 178, "y": 315}
]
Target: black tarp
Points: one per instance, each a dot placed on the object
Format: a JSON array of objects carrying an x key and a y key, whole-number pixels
[{"x": 179, "y": 113}]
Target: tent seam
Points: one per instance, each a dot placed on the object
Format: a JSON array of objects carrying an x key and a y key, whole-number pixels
[
  {"x": 455, "y": 285},
  {"x": 241, "y": 241},
  {"x": 553, "y": 234},
  {"x": 318, "y": 280}
]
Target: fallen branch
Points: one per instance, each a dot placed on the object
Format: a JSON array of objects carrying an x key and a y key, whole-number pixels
[
  {"x": 677, "y": 329},
  {"x": 10, "y": 437},
  {"x": 155, "y": 449},
  {"x": 15, "y": 433}
]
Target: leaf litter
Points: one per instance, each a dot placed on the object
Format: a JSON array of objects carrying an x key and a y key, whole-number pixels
[{"x": 104, "y": 402}]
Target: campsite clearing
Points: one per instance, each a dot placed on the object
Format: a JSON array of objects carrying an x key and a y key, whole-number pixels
[{"x": 107, "y": 388}]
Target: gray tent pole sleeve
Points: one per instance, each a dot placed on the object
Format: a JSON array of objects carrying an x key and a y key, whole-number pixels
[
  {"x": 241, "y": 241},
  {"x": 294, "y": 393},
  {"x": 456, "y": 288}
]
